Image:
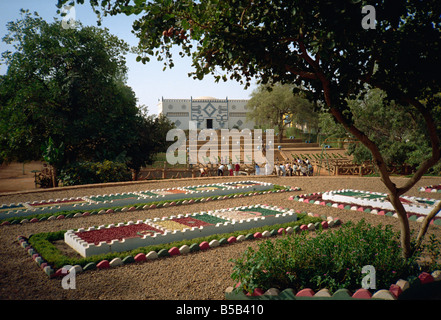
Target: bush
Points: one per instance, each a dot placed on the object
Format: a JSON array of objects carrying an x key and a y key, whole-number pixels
[
  {"x": 332, "y": 259},
  {"x": 80, "y": 173}
]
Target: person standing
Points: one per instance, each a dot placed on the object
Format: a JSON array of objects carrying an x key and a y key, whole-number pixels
[
  {"x": 257, "y": 169},
  {"x": 282, "y": 169},
  {"x": 236, "y": 169},
  {"x": 277, "y": 167},
  {"x": 230, "y": 168},
  {"x": 220, "y": 170}
]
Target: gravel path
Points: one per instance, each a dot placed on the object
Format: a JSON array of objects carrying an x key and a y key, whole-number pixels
[{"x": 196, "y": 276}]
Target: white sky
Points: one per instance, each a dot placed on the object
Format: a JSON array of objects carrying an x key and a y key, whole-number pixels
[{"x": 148, "y": 81}]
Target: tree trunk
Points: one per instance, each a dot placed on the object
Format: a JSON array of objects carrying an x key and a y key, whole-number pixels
[
  {"x": 135, "y": 174},
  {"x": 395, "y": 193},
  {"x": 281, "y": 132},
  {"x": 394, "y": 198},
  {"x": 54, "y": 177},
  {"x": 425, "y": 224}
]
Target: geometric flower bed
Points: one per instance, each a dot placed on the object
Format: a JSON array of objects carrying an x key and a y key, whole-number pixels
[
  {"x": 416, "y": 207},
  {"x": 41, "y": 210},
  {"x": 431, "y": 188},
  {"x": 131, "y": 235},
  {"x": 39, "y": 246}
]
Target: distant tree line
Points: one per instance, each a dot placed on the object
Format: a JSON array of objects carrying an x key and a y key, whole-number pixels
[{"x": 64, "y": 99}]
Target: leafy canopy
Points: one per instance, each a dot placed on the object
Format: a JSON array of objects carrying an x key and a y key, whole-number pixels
[
  {"x": 67, "y": 86},
  {"x": 269, "y": 105}
]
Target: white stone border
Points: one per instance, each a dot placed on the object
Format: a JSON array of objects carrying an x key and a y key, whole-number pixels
[
  {"x": 335, "y": 196},
  {"x": 91, "y": 204},
  {"x": 87, "y": 249}
]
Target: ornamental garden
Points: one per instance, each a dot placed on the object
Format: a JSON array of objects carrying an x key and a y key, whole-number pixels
[{"x": 292, "y": 264}]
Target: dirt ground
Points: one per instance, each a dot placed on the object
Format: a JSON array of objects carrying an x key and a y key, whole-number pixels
[
  {"x": 18, "y": 176},
  {"x": 196, "y": 276}
]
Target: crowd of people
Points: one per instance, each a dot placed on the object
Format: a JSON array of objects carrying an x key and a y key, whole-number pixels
[
  {"x": 228, "y": 170},
  {"x": 298, "y": 167}
]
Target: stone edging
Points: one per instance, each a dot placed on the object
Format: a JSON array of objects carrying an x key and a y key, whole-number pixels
[
  {"x": 109, "y": 207},
  {"x": 93, "y": 202},
  {"x": 366, "y": 199},
  {"x": 162, "y": 234},
  {"x": 401, "y": 290},
  {"x": 152, "y": 255},
  {"x": 431, "y": 188},
  {"x": 315, "y": 198}
]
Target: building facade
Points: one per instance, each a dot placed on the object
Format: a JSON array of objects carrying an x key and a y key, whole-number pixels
[{"x": 207, "y": 113}]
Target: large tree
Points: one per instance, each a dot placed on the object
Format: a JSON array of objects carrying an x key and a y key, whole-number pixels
[
  {"x": 324, "y": 46},
  {"x": 270, "y": 104},
  {"x": 67, "y": 86}
]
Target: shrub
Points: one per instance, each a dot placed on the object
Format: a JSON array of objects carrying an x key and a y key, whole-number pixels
[
  {"x": 331, "y": 259},
  {"x": 80, "y": 173}
]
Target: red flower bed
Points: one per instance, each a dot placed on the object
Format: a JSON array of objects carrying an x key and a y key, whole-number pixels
[
  {"x": 117, "y": 233},
  {"x": 191, "y": 222}
]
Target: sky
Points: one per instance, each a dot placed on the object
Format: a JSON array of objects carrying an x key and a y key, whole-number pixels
[{"x": 149, "y": 82}]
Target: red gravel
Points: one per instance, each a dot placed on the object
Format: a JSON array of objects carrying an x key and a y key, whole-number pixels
[
  {"x": 117, "y": 233},
  {"x": 191, "y": 222}
]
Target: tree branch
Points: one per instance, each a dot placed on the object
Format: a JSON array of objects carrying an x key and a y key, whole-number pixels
[
  {"x": 425, "y": 224},
  {"x": 373, "y": 148},
  {"x": 302, "y": 74}
]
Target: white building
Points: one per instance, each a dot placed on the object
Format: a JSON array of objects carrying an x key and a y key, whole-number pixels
[{"x": 207, "y": 112}]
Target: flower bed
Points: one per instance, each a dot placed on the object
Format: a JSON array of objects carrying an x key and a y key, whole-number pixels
[
  {"x": 41, "y": 210},
  {"x": 417, "y": 208},
  {"x": 52, "y": 261},
  {"x": 124, "y": 237},
  {"x": 415, "y": 205},
  {"x": 124, "y": 231}
]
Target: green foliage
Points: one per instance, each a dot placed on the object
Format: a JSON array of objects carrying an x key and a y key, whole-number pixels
[
  {"x": 42, "y": 242},
  {"x": 433, "y": 249},
  {"x": 332, "y": 259},
  {"x": 79, "y": 173},
  {"x": 398, "y": 133},
  {"x": 150, "y": 139},
  {"x": 63, "y": 84},
  {"x": 65, "y": 94},
  {"x": 269, "y": 105},
  {"x": 52, "y": 154}
]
